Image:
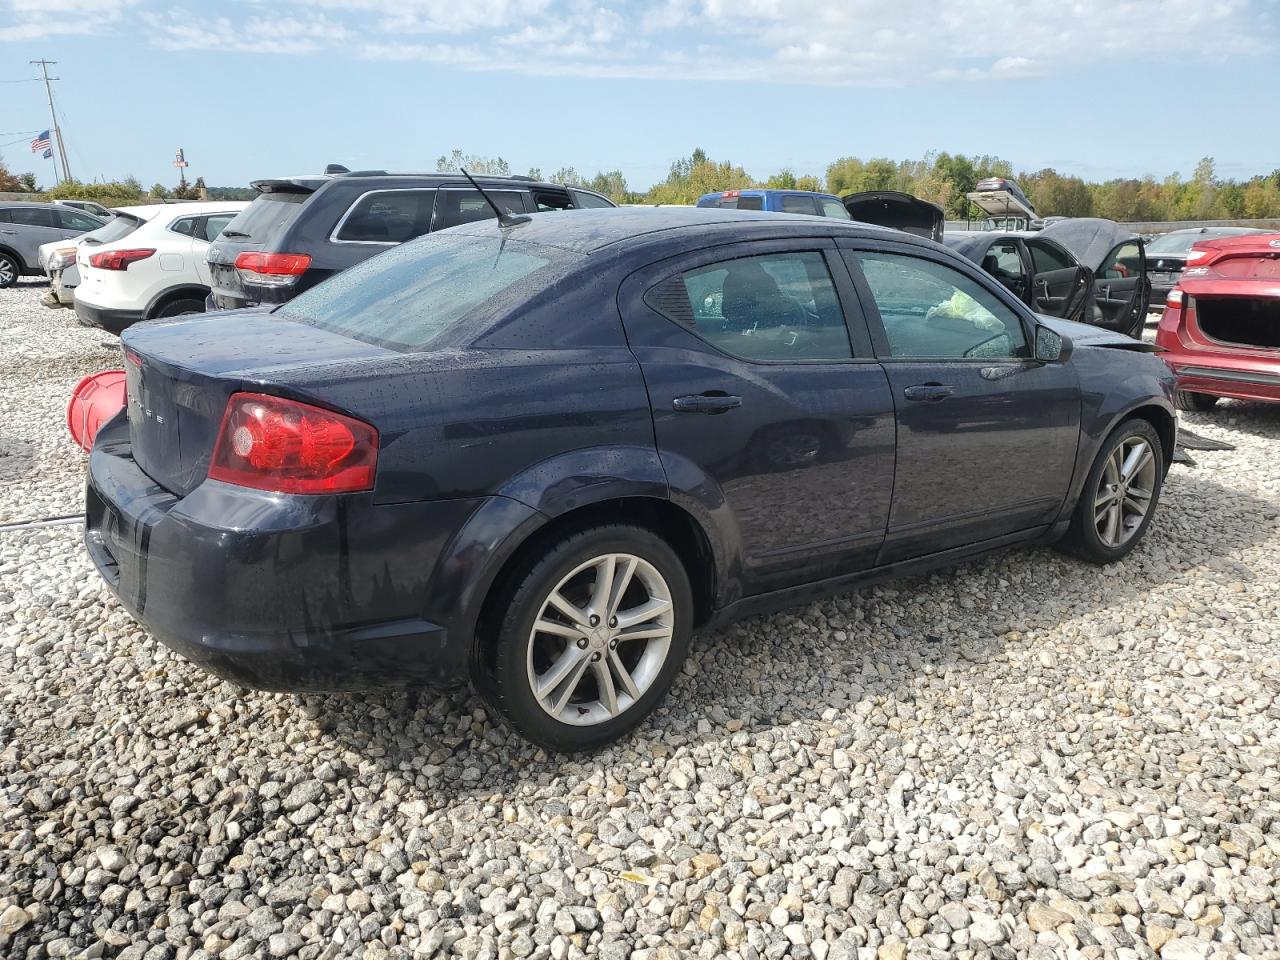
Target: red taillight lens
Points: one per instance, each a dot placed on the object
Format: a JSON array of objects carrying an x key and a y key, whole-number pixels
[
  {"x": 272, "y": 269},
  {"x": 118, "y": 259},
  {"x": 1174, "y": 300},
  {"x": 270, "y": 443}
]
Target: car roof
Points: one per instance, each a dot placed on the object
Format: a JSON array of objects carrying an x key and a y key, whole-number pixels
[
  {"x": 26, "y": 203},
  {"x": 587, "y": 231},
  {"x": 197, "y": 206}
]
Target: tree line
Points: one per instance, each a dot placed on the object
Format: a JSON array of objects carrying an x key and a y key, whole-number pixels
[{"x": 942, "y": 178}]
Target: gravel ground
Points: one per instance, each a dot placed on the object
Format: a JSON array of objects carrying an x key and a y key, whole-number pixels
[{"x": 1022, "y": 756}]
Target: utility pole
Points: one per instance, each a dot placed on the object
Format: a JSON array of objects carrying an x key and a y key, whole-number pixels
[{"x": 44, "y": 66}]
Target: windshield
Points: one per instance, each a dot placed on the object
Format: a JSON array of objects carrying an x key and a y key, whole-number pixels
[
  {"x": 265, "y": 216},
  {"x": 116, "y": 229},
  {"x": 410, "y": 295}
]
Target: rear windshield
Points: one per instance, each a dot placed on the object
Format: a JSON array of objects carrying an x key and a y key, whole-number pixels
[
  {"x": 1179, "y": 244},
  {"x": 407, "y": 297},
  {"x": 265, "y": 217},
  {"x": 116, "y": 229}
]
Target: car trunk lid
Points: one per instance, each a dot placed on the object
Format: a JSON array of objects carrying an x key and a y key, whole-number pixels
[
  {"x": 901, "y": 211},
  {"x": 181, "y": 374}
]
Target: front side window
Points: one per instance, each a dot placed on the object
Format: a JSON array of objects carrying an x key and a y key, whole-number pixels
[
  {"x": 590, "y": 201},
  {"x": 834, "y": 208},
  {"x": 777, "y": 307},
  {"x": 410, "y": 295},
  {"x": 1124, "y": 262},
  {"x": 1004, "y": 262},
  {"x": 75, "y": 220},
  {"x": 794, "y": 204},
  {"x": 454, "y": 207},
  {"x": 1046, "y": 257},
  {"x": 388, "y": 216},
  {"x": 930, "y": 310}
]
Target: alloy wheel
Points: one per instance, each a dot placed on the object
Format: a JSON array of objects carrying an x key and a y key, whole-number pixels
[
  {"x": 601, "y": 639},
  {"x": 1123, "y": 497},
  {"x": 8, "y": 272}
]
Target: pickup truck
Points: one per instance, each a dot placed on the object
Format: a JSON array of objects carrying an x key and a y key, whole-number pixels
[{"x": 779, "y": 201}]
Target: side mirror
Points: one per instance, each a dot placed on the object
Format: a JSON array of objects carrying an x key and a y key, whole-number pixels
[{"x": 1051, "y": 346}]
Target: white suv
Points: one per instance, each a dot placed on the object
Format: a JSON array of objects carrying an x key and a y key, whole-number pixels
[{"x": 157, "y": 270}]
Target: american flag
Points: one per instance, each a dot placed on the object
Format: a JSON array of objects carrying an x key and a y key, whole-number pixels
[{"x": 41, "y": 142}]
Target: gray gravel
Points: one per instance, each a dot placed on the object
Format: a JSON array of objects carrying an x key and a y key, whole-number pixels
[{"x": 1019, "y": 757}]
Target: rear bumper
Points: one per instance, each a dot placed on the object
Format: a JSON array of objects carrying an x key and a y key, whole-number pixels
[
  {"x": 275, "y": 592},
  {"x": 1198, "y": 377},
  {"x": 108, "y": 318}
]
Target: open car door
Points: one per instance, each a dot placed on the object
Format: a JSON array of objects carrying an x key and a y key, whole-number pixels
[
  {"x": 1122, "y": 292},
  {"x": 1117, "y": 257},
  {"x": 901, "y": 211},
  {"x": 1060, "y": 287}
]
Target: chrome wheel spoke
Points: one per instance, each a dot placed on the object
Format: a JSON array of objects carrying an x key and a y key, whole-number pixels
[
  {"x": 624, "y": 679},
  {"x": 647, "y": 611},
  {"x": 603, "y": 587},
  {"x": 644, "y": 633},
  {"x": 559, "y": 683},
  {"x": 565, "y": 630},
  {"x": 575, "y": 614},
  {"x": 621, "y": 582},
  {"x": 1138, "y": 458},
  {"x": 608, "y": 693}
]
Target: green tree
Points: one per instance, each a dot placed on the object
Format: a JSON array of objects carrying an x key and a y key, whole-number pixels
[
  {"x": 568, "y": 176},
  {"x": 110, "y": 193},
  {"x": 695, "y": 175},
  {"x": 457, "y": 160},
  {"x": 16, "y": 182}
]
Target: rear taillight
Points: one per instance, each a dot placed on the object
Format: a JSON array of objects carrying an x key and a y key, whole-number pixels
[
  {"x": 118, "y": 259},
  {"x": 1174, "y": 299},
  {"x": 272, "y": 269},
  {"x": 270, "y": 443}
]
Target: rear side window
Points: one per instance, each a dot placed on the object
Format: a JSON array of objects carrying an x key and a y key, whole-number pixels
[
  {"x": 794, "y": 204},
  {"x": 777, "y": 307},
  {"x": 32, "y": 216},
  {"x": 546, "y": 201},
  {"x": 751, "y": 203},
  {"x": 454, "y": 207},
  {"x": 388, "y": 216},
  {"x": 266, "y": 217},
  {"x": 407, "y": 297},
  {"x": 187, "y": 226}
]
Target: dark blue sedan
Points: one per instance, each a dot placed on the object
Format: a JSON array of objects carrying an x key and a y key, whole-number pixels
[{"x": 537, "y": 456}]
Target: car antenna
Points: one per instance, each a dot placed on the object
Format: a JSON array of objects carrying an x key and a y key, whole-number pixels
[{"x": 504, "y": 219}]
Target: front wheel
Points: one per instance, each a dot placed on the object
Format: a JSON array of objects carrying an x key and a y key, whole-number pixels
[
  {"x": 590, "y": 638},
  {"x": 1200, "y": 402},
  {"x": 9, "y": 270},
  {"x": 1119, "y": 495}
]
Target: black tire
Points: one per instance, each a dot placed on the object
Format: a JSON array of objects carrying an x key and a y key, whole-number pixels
[
  {"x": 1082, "y": 539},
  {"x": 10, "y": 270},
  {"x": 1200, "y": 402},
  {"x": 507, "y": 684},
  {"x": 179, "y": 308}
]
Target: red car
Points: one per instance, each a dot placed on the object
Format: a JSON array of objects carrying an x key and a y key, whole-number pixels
[{"x": 1221, "y": 326}]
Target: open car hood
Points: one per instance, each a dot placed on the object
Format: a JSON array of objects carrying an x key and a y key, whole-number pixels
[
  {"x": 901, "y": 211},
  {"x": 1087, "y": 335},
  {"x": 1089, "y": 239}
]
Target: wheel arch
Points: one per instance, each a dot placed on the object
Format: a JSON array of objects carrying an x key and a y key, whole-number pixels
[
  {"x": 659, "y": 515},
  {"x": 193, "y": 291}
]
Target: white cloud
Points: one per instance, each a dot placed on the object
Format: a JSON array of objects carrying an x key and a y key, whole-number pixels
[{"x": 823, "y": 42}]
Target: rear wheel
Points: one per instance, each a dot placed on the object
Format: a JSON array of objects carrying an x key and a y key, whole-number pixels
[
  {"x": 1200, "y": 402},
  {"x": 8, "y": 270},
  {"x": 590, "y": 638},
  {"x": 1119, "y": 495},
  {"x": 179, "y": 308}
]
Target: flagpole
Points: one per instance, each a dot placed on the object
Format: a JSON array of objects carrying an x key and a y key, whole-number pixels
[{"x": 44, "y": 66}]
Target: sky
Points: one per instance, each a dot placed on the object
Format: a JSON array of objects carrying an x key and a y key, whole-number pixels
[{"x": 251, "y": 88}]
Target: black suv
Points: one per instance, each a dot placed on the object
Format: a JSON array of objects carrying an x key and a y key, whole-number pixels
[{"x": 301, "y": 230}]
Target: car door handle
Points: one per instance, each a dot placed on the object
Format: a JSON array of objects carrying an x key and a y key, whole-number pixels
[
  {"x": 706, "y": 403},
  {"x": 928, "y": 392},
  {"x": 12, "y": 233}
]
